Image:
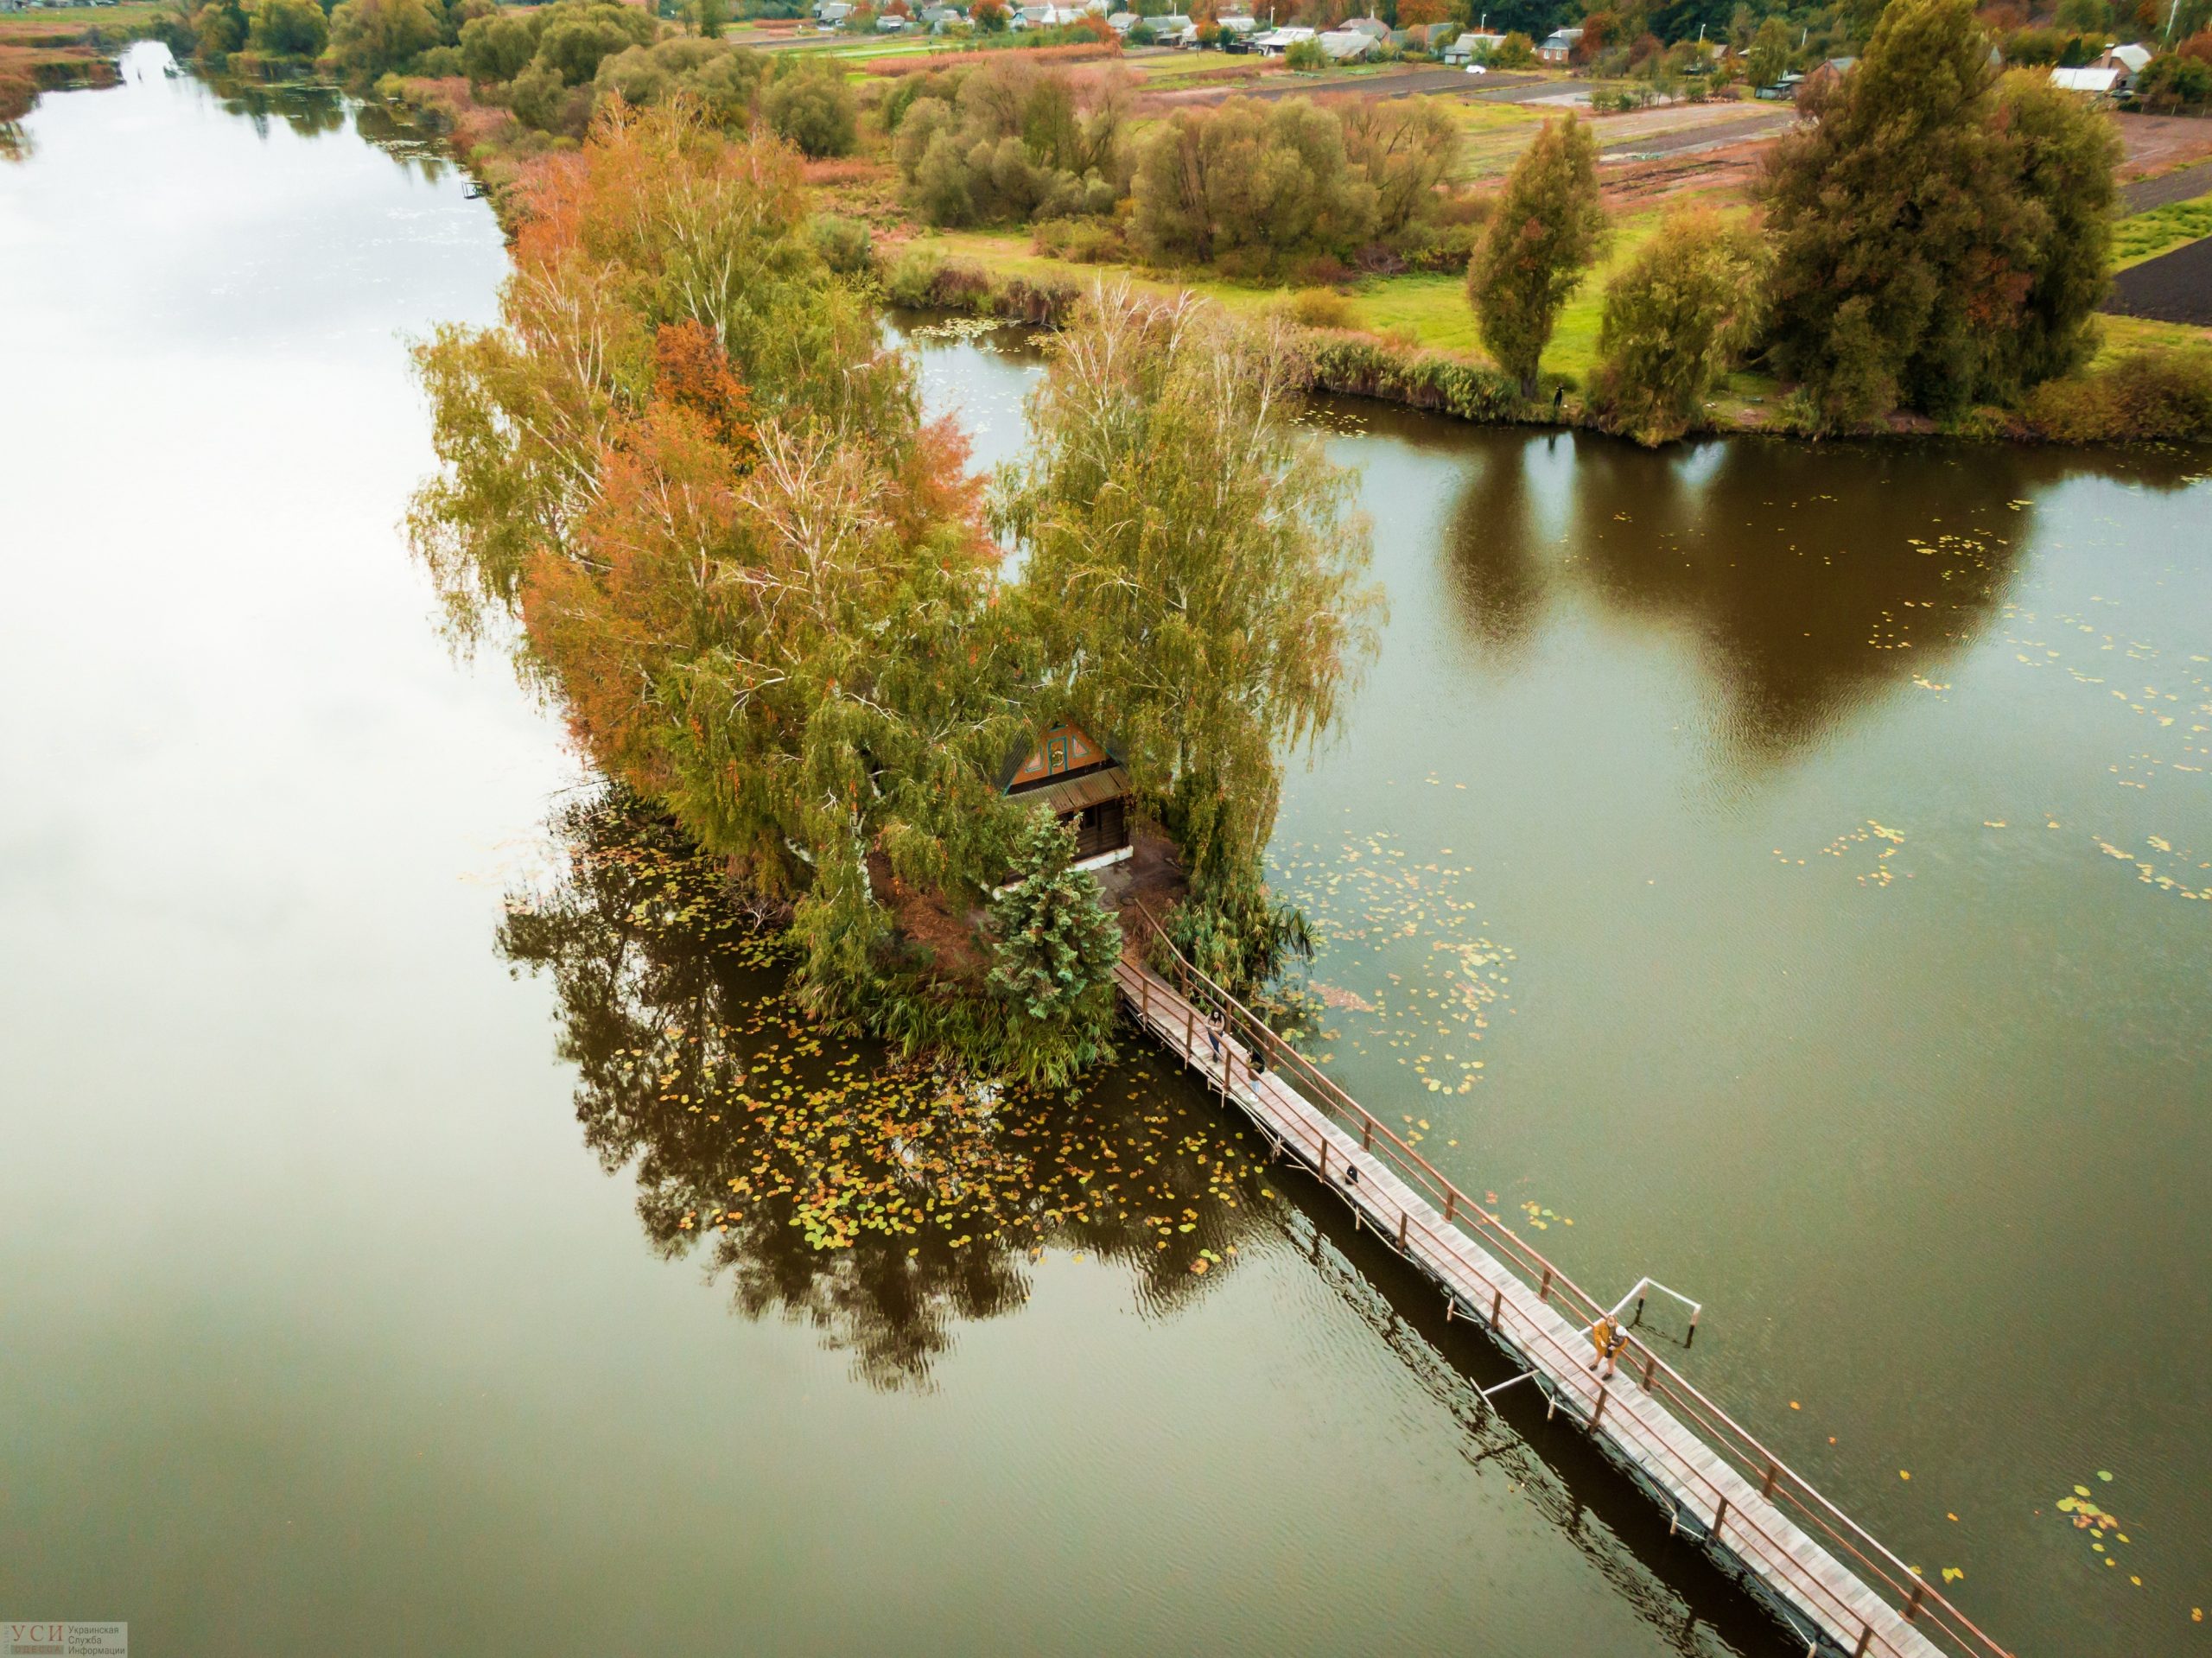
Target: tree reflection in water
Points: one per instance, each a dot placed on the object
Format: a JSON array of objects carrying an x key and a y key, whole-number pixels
[
  {"x": 878, "y": 1201},
  {"x": 1811, "y": 579},
  {"x": 307, "y": 109}
]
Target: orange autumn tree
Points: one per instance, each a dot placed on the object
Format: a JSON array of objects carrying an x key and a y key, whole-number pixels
[{"x": 753, "y": 578}]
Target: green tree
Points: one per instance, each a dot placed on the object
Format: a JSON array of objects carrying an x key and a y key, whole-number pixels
[
  {"x": 710, "y": 16},
  {"x": 1056, "y": 947},
  {"x": 752, "y": 577},
  {"x": 1678, "y": 318},
  {"x": 1770, "y": 53},
  {"x": 369, "y": 38},
  {"x": 2175, "y": 81},
  {"x": 809, "y": 104},
  {"x": 1549, "y": 226},
  {"x": 2063, "y": 154},
  {"x": 288, "y": 28},
  {"x": 495, "y": 50},
  {"x": 1404, "y": 147},
  {"x": 575, "y": 39},
  {"x": 220, "y": 29},
  {"x": 1258, "y": 180},
  {"x": 1937, "y": 244},
  {"x": 1195, "y": 580}
]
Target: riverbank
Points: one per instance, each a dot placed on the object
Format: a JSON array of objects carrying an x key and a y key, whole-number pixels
[
  {"x": 1407, "y": 339},
  {"x": 46, "y": 52}
]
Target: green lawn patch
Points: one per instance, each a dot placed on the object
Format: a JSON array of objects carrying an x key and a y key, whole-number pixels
[{"x": 2145, "y": 236}]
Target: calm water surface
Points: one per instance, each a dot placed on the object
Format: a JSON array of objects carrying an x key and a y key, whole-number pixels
[{"x": 1684, "y": 871}]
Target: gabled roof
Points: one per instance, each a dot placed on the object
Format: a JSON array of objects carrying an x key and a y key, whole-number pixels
[
  {"x": 2085, "y": 80},
  {"x": 1024, "y": 767},
  {"x": 1343, "y": 45}
]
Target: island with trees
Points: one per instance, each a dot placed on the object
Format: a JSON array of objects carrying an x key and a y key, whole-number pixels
[{"x": 691, "y": 481}]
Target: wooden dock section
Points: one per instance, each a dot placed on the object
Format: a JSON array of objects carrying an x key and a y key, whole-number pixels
[{"x": 1836, "y": 1589}]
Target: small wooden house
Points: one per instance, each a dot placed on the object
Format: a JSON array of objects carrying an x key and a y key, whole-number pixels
[{"x": 1078, "y": 779}]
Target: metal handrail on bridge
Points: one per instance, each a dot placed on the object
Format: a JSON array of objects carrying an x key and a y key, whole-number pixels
[{"x": 1925, "y": 1608}]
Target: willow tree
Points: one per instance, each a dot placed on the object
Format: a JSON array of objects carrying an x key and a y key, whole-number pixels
[
  {"x": 1196, "y": 580},
  {"x": 756, "y": 583}
]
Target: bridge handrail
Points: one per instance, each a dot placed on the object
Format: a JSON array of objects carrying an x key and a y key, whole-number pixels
[{"x": 1775, "y": 1478}]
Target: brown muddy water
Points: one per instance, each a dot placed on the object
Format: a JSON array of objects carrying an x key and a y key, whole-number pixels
[{"x": 1781, "y": 871}]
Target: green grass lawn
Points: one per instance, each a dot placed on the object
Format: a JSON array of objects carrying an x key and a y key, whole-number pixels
[
  {"x": 2122, "y": 335},
  {"x": 68, "y": 26},
  {"x": 1432, "y": 310},
  {"x": 2145, "y": 236},
  {"x": 1435, "y": 308}
]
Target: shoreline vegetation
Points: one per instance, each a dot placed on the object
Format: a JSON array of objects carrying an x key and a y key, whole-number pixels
[{"x": 996, "y": 176}]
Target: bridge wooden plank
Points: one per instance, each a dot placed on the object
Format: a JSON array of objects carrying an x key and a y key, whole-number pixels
[{"x": 1792, "y": 1564}]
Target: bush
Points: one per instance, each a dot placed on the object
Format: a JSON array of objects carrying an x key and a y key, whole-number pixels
[
  {"x": 721, "y": 80},
  {"x": 1082, "y": 241},
  {"x": 2175, "y": 81},
  {"x": 1264, "y": 181},
  {"x": 810, "y": 105},
  {"x": 1517, "y": 51},
  {"x": 1321, "y": 308},
  {"x": 288, "y": 28},
  {"x": 1010, "y": 141},
  {"x": 368, "y": 37},
  {"x": 1678, "y": 318},
  {"x": 844, "y": 244},
  {"x": 1305, "y": 58},
  {"x": 1368, "y": 368},
  {"x": 2146, "y": 394}
]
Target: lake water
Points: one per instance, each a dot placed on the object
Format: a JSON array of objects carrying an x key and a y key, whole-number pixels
[{"x": 1781, "y": 870}]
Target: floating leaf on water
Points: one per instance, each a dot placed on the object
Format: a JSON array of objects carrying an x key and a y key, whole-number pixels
[
  {"x": 1902, "y": 1474},
  {"x": 1953, "y": 1574},
  {"x": 2105, "y": 1475},
  {"x": 2080, "y": 1490}
]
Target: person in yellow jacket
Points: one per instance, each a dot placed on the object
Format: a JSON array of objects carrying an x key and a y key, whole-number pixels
[{"x": 1609, "y": 1337}]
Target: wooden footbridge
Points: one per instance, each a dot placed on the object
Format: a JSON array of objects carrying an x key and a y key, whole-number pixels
[{"x": 1832, "y": 1584}]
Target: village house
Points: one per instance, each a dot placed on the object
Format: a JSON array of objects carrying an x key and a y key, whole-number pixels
[
  {"x": 1346, "y": 45},
  {"x": 1558, "y": 45},
  {"x": 1474, "y": 43},
  {"x": 2130, "y": 60},
  {"x": 1080, "y": 782},
  {"x": 1276, "y": 41},
  {"x": 2090, "y": 83}
]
